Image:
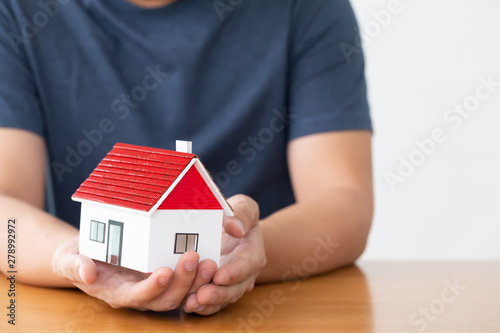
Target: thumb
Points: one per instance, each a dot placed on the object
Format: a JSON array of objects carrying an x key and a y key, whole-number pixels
[
  {"x": 246, "y": 215},
  {"x": 67, "y": 263}
]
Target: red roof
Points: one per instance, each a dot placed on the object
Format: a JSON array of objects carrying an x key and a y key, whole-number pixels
[{"x": 133, "y": 176}]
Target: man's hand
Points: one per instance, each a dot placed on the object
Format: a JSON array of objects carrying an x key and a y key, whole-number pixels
[
  {"x": 162, "y": 290},
  {"x": 242, "y": 258}
]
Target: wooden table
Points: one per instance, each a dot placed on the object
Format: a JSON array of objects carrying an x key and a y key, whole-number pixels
[{"x": 370, "y": 297}]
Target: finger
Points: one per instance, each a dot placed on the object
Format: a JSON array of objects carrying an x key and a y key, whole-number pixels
[
  {"x": 192, "y": 305},
  {"x": 141, "y": 293},
  {"x": 67, "y": 263},
  {"x": 211, "y": 309},
  {"x": 237, "y": 271},
  {"x": 180, "y": 284},
  {"x": 204, "y": 274},
  {"x": 246, "y": 215},
  {"x": 212, "y": 294}
]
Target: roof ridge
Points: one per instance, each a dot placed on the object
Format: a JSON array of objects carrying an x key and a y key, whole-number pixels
[
  {"x": 161, "y": 151},
  {"x": 130, "y": 166},
  {"x": 107, "y": 158}
]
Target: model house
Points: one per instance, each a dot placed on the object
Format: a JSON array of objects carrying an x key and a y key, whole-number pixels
[{"x": 143, "y": 207}]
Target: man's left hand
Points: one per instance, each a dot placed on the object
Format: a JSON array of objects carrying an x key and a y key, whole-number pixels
[{"x": 242, "y": 258}]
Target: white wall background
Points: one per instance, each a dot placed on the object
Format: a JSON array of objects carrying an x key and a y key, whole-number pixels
[{"x": 428, "y": 58}]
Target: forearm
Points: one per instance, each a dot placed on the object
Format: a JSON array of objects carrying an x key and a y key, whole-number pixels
[
  {"x": 316, "y": 235},
  {"x": 38, "y": 235}
]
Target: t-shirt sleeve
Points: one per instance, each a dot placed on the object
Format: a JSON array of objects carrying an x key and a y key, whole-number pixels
[
  {"x": 327, "y": 89},
  {"x": 19, "y": 103}
]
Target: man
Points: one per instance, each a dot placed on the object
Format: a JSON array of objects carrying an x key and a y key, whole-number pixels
[{"x": 274, "y": 108}]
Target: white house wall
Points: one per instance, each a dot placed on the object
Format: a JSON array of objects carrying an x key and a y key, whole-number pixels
[
  {"x": 166, "y": 223},
  {"x": 135, "y": 234}
]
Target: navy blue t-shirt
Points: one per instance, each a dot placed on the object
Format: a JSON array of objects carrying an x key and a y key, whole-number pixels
[{"x": 239, "y": 79}]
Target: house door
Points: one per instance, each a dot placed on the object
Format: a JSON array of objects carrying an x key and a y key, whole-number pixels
[{"x": 115, "y": 237}]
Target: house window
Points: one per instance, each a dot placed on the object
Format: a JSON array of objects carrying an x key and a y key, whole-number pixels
[
  {"x": 97, "y": 231},
  {"x": 185, "y": 242}
]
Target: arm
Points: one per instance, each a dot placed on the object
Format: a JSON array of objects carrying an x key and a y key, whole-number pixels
[
  {"x": 330, "y": 221},
  {"x": 22, "y": 193},
  {"x": 332, "y": 180}
]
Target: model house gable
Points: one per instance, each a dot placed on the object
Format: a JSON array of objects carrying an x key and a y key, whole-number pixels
[{"x": 192, "y": 192}]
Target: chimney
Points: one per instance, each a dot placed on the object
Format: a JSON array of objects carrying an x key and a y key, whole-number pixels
[{"x": 184, "y": 146}]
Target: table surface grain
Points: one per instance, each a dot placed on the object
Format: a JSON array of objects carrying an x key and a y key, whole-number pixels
[{"x": 370, "y": 297}]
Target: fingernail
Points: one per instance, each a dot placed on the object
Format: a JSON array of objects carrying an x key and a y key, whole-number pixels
[
  {"x": 199, "y": 307},
  {"x": 212, "y": 299},
  {"x": 240, "y": 225},
  {"x": 163, "y": 279},
  {"x": 80, "y": 274},
  {"x": 190, "y": 265},
  {"x": 207, "y": 273},
  {"x": 226, "y": 280}
]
